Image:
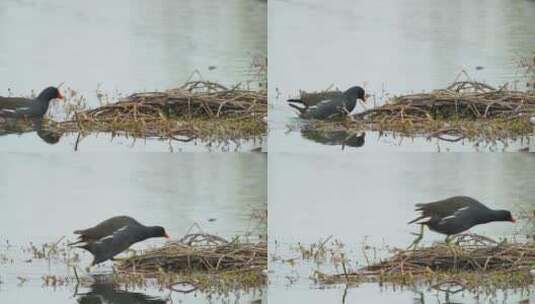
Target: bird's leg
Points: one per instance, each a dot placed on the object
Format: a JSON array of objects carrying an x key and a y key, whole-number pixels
[
  {"x": 418, "y": 238},
  {"x": 448, "y": 240},
  {"x": 452, "y": 250}
]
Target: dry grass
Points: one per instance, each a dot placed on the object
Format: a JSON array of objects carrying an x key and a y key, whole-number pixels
[
  {"x": 199, "y": 252},
  {"x": 196, "y": 110},
  {"x": 204, "y": 260},
  {"x": 464, "y": 110},
  {"x": 527, "y": 65},
  {"x": 474, "y": 262}
]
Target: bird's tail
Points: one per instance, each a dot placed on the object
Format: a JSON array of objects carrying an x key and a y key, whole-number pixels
[
  {"x": 416, "y": 219},
  {"x": 292, "y": 103},
  {"x": 85, "y": 246},
  {"x": 75, "y": 243},
  {"x": 78, "y": 241}
]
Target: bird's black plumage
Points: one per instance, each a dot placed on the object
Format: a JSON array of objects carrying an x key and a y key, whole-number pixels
[
  {"x": 18, "y": 107},
  {"x": 457, "y": 214},
  {"x": 114, "y": 235},
  {"x": 337, "y": 105},
  {"x": 104, "y": 229}
]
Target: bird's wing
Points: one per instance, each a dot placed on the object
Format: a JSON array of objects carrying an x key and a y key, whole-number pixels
[
  {"x": 325, "y": 109},
  {"x": 18, "y": 112},
  {"x": 14, "y": 102},
  {"x": 111, "y": 245},
  {"x": 106, "y": 227},
  {"x": 447, "y": 207},
  {"x": 459, "y": 213}
]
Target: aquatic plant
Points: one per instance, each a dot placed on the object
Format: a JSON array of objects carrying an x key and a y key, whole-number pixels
[{"x": 464, "y": 110}]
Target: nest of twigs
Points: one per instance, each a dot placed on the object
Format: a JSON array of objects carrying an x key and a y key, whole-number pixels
[
  {"x": 197, "y": 109},
  {"x": 465, "y": 99},
  {"x": 472, "y": 260},
  {"x": 199, "y": 252},
  {"x": 193, "y": 99},
  {"x": 464, "y": 110},
  {"x": 473, "y": 253}
]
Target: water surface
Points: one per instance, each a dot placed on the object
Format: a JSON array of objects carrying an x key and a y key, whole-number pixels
[{"x": 389, "y": 47}]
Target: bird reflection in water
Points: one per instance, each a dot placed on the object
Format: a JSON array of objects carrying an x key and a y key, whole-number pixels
[
  {"x": 42, "y": 127},
  {"x": 107, "y": 293},
  {"x": 335, "y": 138}
]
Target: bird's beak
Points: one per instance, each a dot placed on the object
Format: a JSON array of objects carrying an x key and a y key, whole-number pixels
[
  {"x": 167, "y": 236},
  {"x": 364, "y": 98},
  {"x": 513, "y": 220},
  {"x": 60, "y": 96}
]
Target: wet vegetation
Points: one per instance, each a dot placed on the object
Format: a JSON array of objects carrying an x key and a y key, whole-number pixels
[
  {"x": 464, "y": 110},
  {"x": 198, "y": 262},
  {"x": 473, "y": 262},
  {"x": 203, "y": 261},
  {"x": 527, "y": 65},
  {"x": 196, "y": 110},
  {"x": 470, "y": 262}
]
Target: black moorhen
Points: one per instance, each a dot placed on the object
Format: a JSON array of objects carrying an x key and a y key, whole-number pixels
[
  {"x": 456, "y": 214},
  {"x": 114, "y": 235},
  {"x": 18, "y": 107},
  {"x": 339, "y": 105}
]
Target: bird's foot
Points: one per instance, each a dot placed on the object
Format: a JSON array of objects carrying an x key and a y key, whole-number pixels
[{"x": 419, "y": 237}]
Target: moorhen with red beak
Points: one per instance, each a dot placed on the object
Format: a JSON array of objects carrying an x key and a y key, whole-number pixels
[
  {"x": 113, "y": 236},
  {"x": 339, "y": 105},
  {"x": 19, "y": 107},
  {"x": 455, "y": 215}
]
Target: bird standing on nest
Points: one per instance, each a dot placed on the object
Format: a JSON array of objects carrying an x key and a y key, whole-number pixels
[
  {"x": 337, "y": 105},
  {"x": 455, "y": 215},
  {"x": 113, "y": 236}
]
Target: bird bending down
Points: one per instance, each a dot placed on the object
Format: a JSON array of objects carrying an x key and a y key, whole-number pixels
[
  {"x": 113, "y": 236},
  {"x": 337, "y": 105},
  {"x": 18, "y": 107},
  {"x": 455, "y": 215}
]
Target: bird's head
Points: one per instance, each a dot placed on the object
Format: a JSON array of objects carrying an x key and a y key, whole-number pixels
[
  {"x": 159, "y": 231},
  {"x": 506, "y": 216},
  {"x": 356, "y": 92},
  {"x": 50, "y": 93}
]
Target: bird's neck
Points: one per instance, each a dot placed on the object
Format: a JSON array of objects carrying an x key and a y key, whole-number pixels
[
  {"x": 491, "y": 216},
  {"x": 44, "y": 102}
]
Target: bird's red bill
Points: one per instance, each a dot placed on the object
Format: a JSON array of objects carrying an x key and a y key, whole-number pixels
[
  {"x": 167, "y": 236},
  {"x": 60, "y": 96}
]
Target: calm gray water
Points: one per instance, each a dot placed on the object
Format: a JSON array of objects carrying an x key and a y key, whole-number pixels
[
  {"x": 125, "y": 47},
  {"x": 47, "y": 196},
  {"x": 370, "y": 198},
  {"x": 392, "y": 47}
]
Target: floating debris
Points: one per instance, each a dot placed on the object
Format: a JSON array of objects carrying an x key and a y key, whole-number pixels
[
  {"x": 202, "y": 260},
  {"x": 465, "y": 109},
  {"x": 196, "y": 110},
  {"x": 199, "y": 251},
  {"x": 475, "y": 261},
  {"x": 465, "y": 99}
]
